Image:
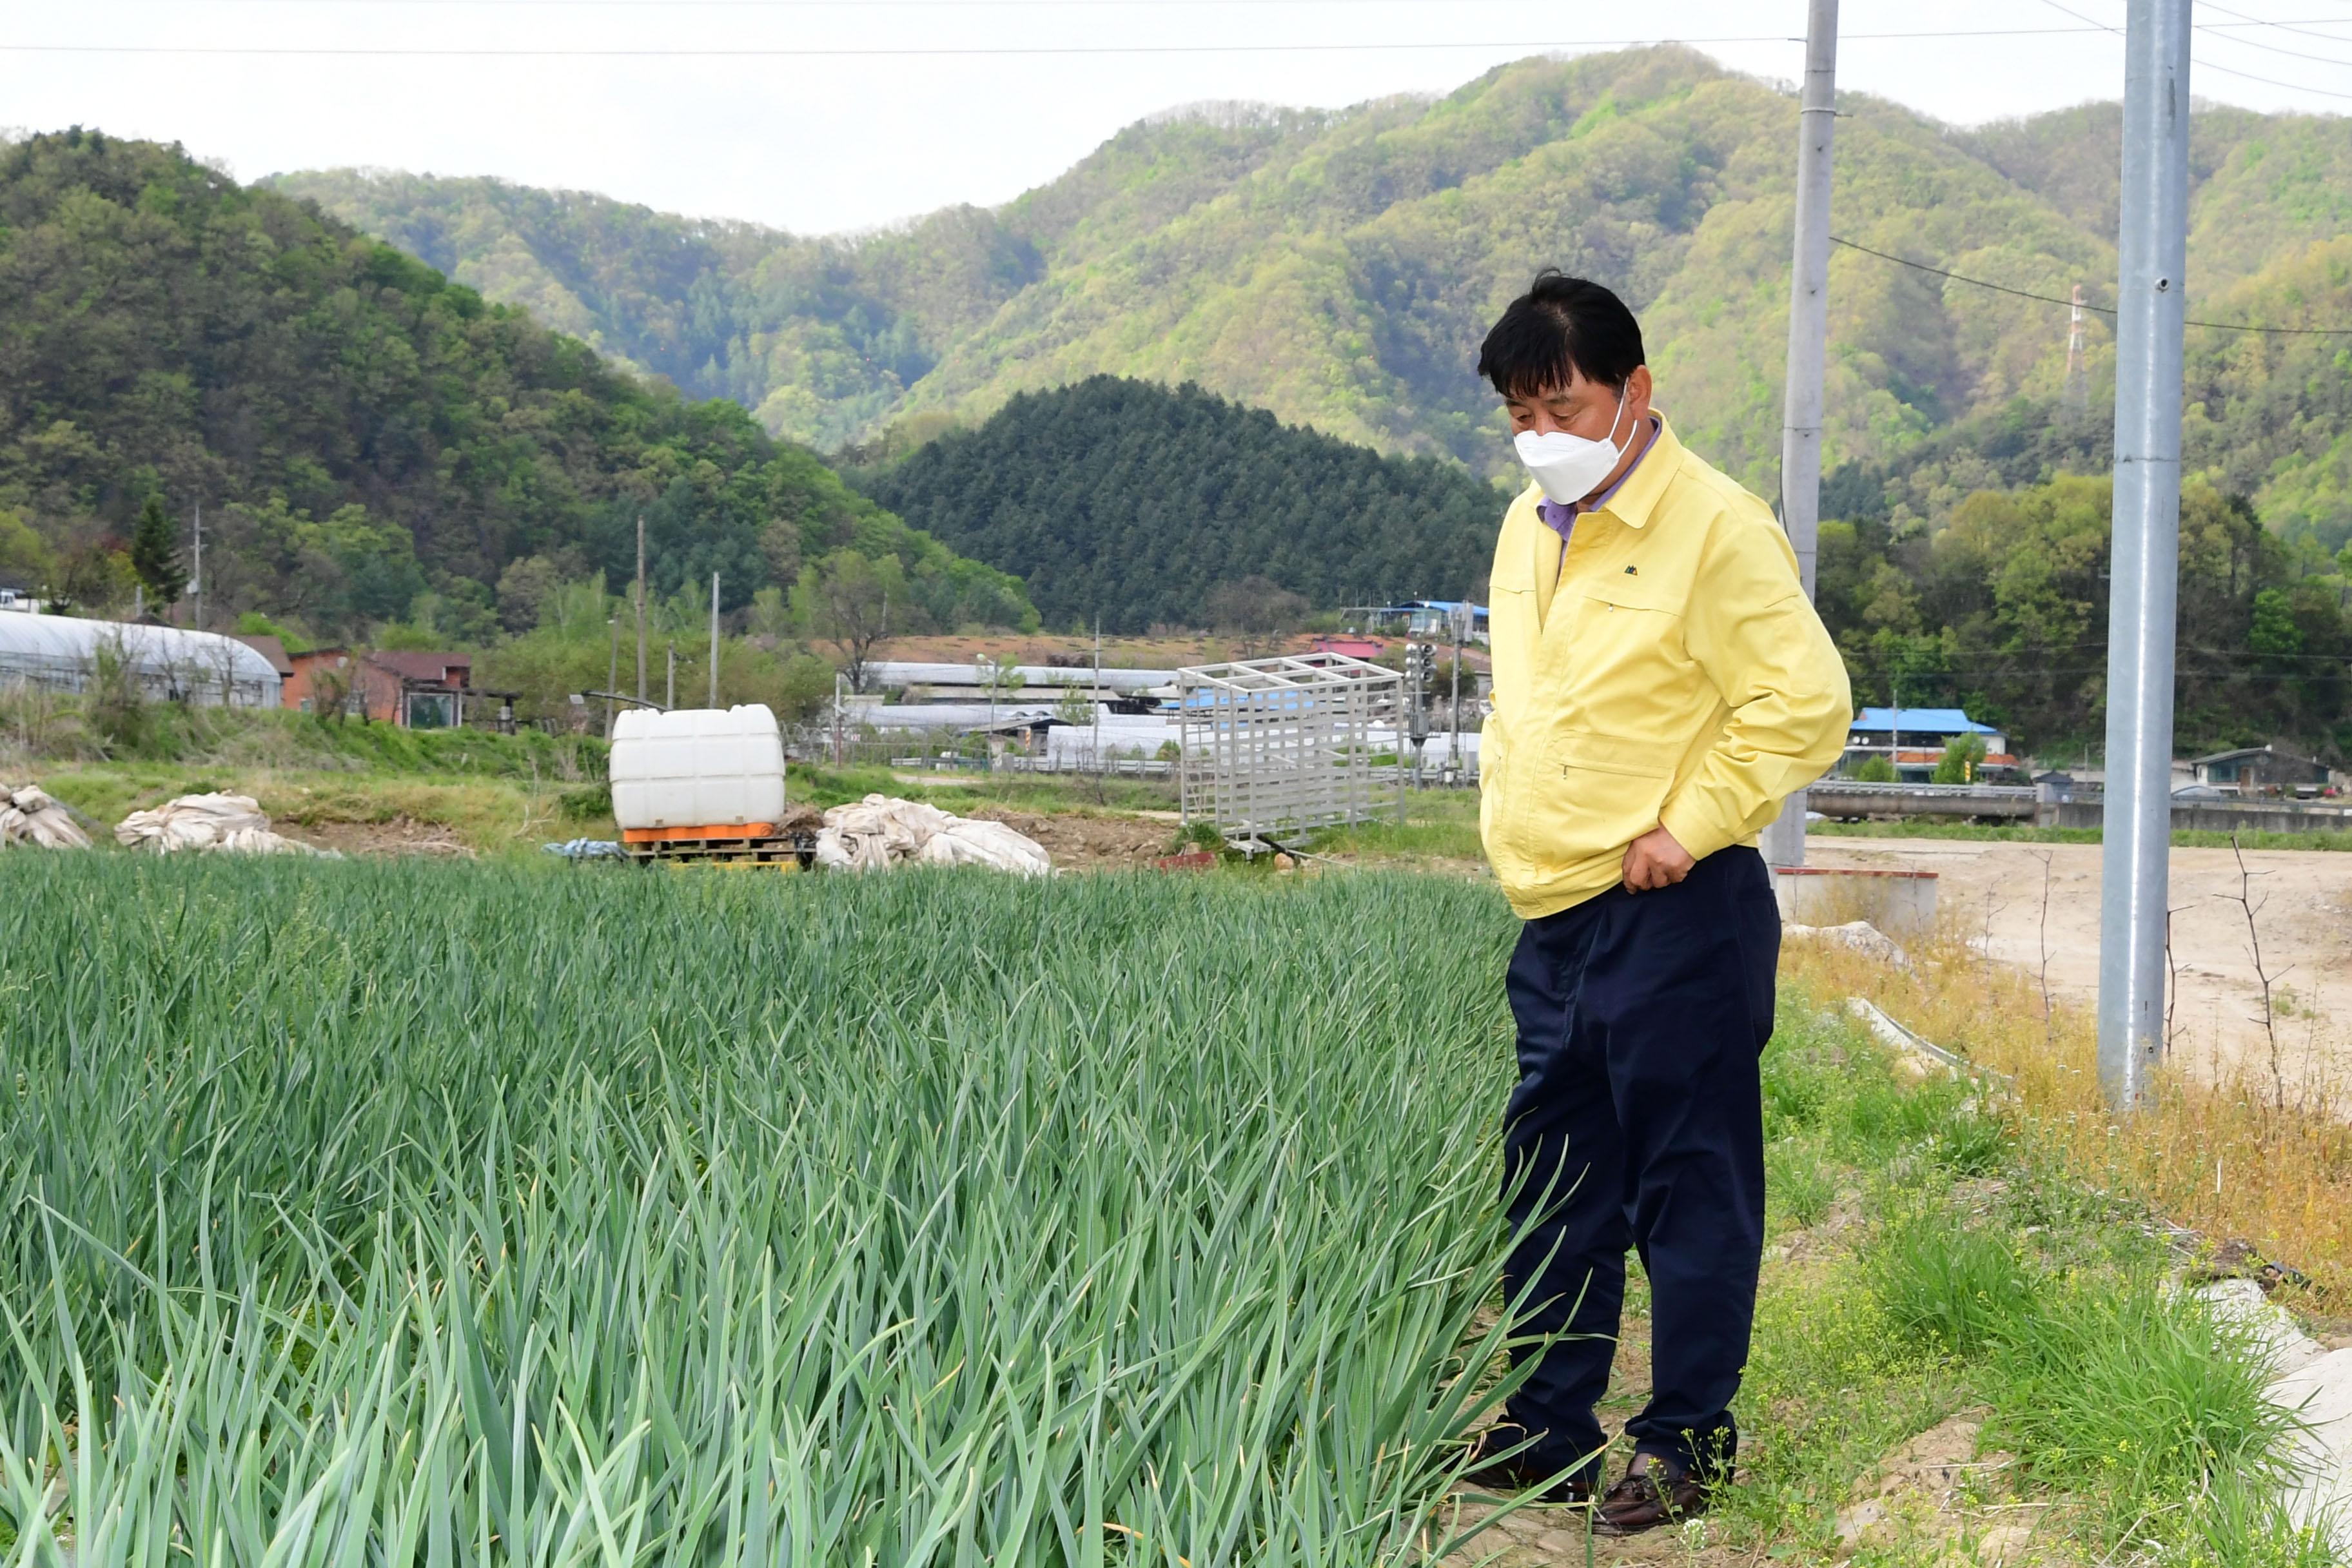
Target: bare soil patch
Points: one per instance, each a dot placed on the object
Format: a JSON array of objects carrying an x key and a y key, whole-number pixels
[
  {"x": 402, "y": 834},
  {"x": 2302, "y": 908},
  {"x": 1089, "y": 843}
]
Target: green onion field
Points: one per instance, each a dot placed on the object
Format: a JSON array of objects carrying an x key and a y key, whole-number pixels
[
  {"x": 403, "y": 1213},
  {"x": 432, "y": 1214}
]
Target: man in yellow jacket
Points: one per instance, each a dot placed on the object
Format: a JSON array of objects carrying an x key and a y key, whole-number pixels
[{"x": 1661, "y": 685}]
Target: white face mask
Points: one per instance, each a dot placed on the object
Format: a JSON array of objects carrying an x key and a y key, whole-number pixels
[{"x": 1571, "y": 468}]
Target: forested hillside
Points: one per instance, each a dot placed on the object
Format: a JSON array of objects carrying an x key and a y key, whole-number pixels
[
  {"x": 1338, "y": 268},
  {"x": 1147, "y": 506},
  {"x": 2003, "y": 609},
  {"x": 369, "y": 442}
]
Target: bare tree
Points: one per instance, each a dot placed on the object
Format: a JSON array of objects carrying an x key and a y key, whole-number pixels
[
  {"x": 2171, "y": 982},
  {"x": 846, "y": 599},
  {"x": 2244, "y": 899},
  {"x": 1254, "y": 608},
  {"x": 2044, "y": 937}
]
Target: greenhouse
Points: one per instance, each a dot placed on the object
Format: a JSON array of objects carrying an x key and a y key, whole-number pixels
[{"x": 63, "y": 653}]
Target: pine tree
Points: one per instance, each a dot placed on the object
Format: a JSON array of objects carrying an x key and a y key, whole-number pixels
[{"x": 155, "y": 555}]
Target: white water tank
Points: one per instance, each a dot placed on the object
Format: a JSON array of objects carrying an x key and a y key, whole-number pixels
[{"x": 696, "y": 768}]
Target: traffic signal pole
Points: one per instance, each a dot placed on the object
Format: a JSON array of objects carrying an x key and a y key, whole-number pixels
[{"x": 2153, "y": 251}]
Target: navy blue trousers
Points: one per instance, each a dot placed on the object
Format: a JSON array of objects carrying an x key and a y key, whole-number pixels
[{"x": 1638, "y": 1122}]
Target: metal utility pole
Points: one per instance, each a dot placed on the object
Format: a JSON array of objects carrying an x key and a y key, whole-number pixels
[
  {"x": 1895, "y": 739},
  {"x": 641, "y": 606},
  {"x": 714, "y": 639},
  {"x": 2078, "y": 372},
  {"x": 669, "y": 696},
  {"x": 1461, "y": 617},
  {"x": 196, "y": 572},
  {"x": 1095, "y": 743},
  {"x": 837, "y": 679},
  {"x": 611, "y": 672},
  {"x": 1417, "y": 660},
  {"x": 1809, "y": 327},
  {"x": 2153, "y": 249}
]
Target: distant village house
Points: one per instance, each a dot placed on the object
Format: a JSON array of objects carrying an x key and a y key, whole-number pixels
[
  {"x": 1914, "y": 739},
  {"x": 2261, "y": 770},
  {"x": 413, "y": 690}
]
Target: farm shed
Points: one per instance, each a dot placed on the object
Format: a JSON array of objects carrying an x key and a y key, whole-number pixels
[
  {"x": 63, "y": 653},
  {"x": 415, "y": 690}
]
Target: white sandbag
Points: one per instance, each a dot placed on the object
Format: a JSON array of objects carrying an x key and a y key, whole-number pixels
[
  {"x": 30, "y": 815},
  {"x": 882, "y": 831},
  {"x": 971, "y": 842},
  {"x": 230, "y": 823}
]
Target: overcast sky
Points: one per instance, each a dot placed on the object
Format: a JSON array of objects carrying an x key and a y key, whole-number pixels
[{"x": 747, "y": 117}]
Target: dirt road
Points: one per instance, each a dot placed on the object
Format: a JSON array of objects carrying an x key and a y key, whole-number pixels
[{"x": 2303, "y": 910}]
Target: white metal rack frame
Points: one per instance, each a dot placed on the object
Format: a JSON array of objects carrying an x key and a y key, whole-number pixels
[{"x": 1284, "y": 745}]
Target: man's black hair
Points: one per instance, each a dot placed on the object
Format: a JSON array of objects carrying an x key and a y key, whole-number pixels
[{"x": 1559, "y": 324}]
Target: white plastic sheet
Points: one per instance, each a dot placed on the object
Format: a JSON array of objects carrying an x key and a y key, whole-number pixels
[
  {"x": 30, "y": 815},
  {"x": 232, "y": 824},
  {"x": 882, "y": 831}
]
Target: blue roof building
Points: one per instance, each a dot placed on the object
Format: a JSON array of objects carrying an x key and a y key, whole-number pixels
[
  {"x": 1914, "y": 738},
  {"x": 1943, "y": 723}
]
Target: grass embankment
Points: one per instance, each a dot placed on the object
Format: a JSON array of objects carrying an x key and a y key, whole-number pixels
[
  {"x": 1934, "y": 1272},
  {"x": 2265, "y": 1153},
  {"x": 457, "y": 1215},
  {"x": 349, "y": 781}
]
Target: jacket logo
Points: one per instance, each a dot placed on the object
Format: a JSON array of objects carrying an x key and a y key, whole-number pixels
[{"x": 1631, "y": 573}]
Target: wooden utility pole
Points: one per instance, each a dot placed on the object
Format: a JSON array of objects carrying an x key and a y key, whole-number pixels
[{"x": 641, "y": 606}]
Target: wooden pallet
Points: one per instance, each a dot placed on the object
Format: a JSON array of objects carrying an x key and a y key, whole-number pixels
[{"x": 796, "y": 847}]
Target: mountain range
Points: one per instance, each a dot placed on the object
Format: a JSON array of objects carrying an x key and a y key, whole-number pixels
[
  {"x": 1339, "y": 268},
  {"x": 365, "y": 441}
]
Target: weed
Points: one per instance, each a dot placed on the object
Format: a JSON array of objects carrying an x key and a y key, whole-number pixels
[
  {"x": 1959, "y": 1289},
  {"x": 1796, "y": 1182},
  {"x": 2118, "y": 1391}
]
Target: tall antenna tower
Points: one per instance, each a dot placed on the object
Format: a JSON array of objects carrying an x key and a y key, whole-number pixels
[{"x": 2078, "y": 378}]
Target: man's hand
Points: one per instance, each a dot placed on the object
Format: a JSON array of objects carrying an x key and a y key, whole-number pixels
[{"x": 1655, "y": 860}]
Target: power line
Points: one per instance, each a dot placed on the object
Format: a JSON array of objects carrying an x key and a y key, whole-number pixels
[
  {"x": 2099, "y": 645},
  {"x": 828, "y": 53},
  {"x": 2297, "y": 25},
  {"x": 824, "y": 53},
  {"x": 2268, "y": 48},
  {"x": 2101, "y": 310},
  {"x": 2202, "y": 64},
  {"x": 1910, "y": 674},
  {"x": 2271, "y": 80}
]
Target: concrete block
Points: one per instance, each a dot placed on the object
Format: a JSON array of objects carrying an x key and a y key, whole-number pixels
[{"x": 1900, "y": 902}]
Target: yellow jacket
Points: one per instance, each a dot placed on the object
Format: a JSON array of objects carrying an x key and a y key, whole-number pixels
[{"x": 1666, "y": 668}]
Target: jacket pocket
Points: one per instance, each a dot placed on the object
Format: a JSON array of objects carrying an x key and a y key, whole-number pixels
[{"x": 1594, "y": 795}]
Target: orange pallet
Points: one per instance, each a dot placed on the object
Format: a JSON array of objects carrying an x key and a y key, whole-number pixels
[{"x": 698, "y": 834}]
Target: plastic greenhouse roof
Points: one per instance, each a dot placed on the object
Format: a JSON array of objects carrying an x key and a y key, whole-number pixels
[{"x": 69, "y": 637}]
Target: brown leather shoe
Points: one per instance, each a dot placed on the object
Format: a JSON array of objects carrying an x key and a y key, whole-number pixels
[
  {"x": 1512, "y": 1474},
  {"x": 1655, "y": 1492}
]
